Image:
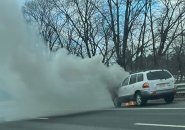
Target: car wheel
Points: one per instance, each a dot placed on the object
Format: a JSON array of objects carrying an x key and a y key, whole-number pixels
[
  {"x": 140, "y": 101},
  {"x": 117, "y": 103},
  {"x": 169, "y": 99}
]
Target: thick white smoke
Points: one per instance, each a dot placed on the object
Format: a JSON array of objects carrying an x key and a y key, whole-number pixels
[{"x": 34, "y": 84}]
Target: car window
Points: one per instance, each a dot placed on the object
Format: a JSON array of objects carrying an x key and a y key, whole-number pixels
[
  {"x": 133, "y": 79},
  {"x": 139, "y": 77},
  {"x": 125, "y": 82},
  {"x": 158, "y": 75}
]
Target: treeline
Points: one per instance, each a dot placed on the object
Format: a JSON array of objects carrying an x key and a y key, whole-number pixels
[{"x": 136, "y": 34}]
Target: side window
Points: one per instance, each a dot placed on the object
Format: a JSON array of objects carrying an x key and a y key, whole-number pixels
[
  {"x": 125, "y": 82},
  {"x": 133, "y": 79},
  {"x": 139, "y": 77}
]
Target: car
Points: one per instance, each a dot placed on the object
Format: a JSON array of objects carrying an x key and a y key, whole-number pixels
[{"x": 147, "y": 85}]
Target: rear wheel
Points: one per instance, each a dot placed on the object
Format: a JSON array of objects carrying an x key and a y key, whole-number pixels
[
  {"x": 117, "y": 103},
  {"x": 140, "y": 101},
  {"x": 169, "y": 99}
]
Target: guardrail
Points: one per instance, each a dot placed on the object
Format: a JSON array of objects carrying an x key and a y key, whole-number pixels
[
  {"x": 180, "y": 88},
  {"x": 179, "y": 78}
]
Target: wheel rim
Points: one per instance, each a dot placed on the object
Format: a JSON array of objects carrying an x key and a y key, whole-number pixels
[{"x": 138, "y": 99}]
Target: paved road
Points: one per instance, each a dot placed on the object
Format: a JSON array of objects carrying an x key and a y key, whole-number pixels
[{"x": 156, "y": 115}]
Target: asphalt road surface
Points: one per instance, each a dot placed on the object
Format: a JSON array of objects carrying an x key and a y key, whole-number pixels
[{"x": 156, "y": 115}]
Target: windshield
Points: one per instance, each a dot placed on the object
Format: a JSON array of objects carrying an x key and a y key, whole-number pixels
[{"x": 158, "y": 75}]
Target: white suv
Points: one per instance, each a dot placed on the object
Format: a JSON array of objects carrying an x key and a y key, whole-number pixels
[{"x": 148, "y": 85}]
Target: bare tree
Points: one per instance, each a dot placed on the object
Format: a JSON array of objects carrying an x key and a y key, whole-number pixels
[
  {"x": 169, "y": 23},
  {"x": 83, "y": 18},
  {"x": 42, "y": 12},
  {"x": 136, "y": 34},
  {"x": 119, "y": 11}
]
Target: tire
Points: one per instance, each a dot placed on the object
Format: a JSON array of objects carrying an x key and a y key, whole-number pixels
[
  {"x": 116, "y": 102},
  {"x": 140, "y": 101},
  {"x": 169, "y": 99}
]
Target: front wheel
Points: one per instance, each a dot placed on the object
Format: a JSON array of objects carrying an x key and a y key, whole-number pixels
[
  {"x": 140, "y": 101},
  {"x": 169, "y": 99},
  {"x": 117, "y": 103}
]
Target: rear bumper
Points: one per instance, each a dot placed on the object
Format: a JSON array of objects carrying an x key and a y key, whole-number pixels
[{"x": 158, "y": 94}]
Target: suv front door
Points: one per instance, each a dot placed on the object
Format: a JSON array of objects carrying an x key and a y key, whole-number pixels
[
  {"x": 123, "y": 90},
  {"x": 132, "y": 85}
]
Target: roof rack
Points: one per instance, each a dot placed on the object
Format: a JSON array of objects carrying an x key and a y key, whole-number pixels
[{"x": 146, "y": 70}]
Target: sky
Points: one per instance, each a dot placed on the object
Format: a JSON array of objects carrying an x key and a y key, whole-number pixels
[{"x": 20, "y": 2}]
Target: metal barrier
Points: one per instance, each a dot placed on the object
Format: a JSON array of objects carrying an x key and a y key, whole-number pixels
[
  {"x": 180, "y": 88},
  {"x": 179, "y": 79}
]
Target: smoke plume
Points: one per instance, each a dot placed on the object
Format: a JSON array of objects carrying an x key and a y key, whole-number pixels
[{"x": 34, "y": 83}]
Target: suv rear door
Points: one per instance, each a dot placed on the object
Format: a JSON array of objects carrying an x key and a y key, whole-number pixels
[
  {"x": 132, "y": 84},
  {"x": 139, "y": 81}
]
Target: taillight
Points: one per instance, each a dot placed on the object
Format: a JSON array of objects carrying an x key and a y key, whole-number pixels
[{"x": 145, "y": 85}]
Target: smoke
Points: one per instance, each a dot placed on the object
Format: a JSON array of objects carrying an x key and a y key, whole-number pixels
[{"x": 34, "y": 83}]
